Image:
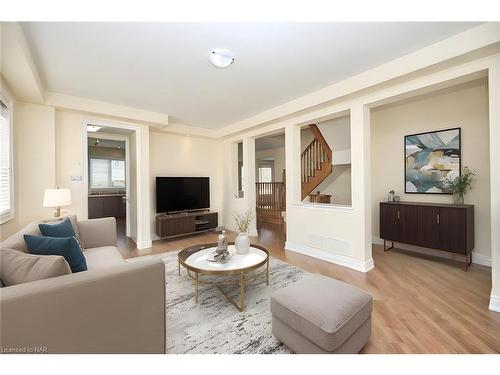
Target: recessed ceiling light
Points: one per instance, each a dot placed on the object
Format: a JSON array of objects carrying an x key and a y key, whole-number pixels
[
  {"x": 93, "y": 128},
  {"x": 221, "y": 58}
]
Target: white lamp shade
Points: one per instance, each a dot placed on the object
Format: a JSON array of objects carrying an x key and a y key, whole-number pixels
[{"x": 56, "y": 197}]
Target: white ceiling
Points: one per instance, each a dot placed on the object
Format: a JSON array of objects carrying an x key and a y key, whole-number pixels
[{"x": 163, "y": 67}]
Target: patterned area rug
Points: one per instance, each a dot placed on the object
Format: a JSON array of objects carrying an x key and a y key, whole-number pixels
[{"x": 214, "y": 325}]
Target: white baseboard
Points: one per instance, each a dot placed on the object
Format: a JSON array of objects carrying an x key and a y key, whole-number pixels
[
  {"x": 144, "y": 244},
  {"x": 494, "y": 303},
  {"x": 330, "y": 257},
  {"x": 482, "y": 260}
]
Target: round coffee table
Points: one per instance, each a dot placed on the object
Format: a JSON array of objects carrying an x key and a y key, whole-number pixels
[{"x": 238, "y": 270}]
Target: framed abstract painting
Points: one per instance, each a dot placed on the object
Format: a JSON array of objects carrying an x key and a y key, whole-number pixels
[{"x": 430, "y": 159}]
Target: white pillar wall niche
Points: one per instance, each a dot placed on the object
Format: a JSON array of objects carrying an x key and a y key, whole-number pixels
[
  {"x": 494, "y": 114},
  {"x": 338, "y": 234},
  {"x": 249, "y": 179}
]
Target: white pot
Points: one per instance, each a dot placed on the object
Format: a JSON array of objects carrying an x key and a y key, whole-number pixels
[{"x": 242, "y": 243}]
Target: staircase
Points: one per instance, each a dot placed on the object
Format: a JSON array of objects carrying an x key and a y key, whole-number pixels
[{"x": 316, "y": 162}]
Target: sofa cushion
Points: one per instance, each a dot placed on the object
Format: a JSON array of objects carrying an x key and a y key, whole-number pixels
[
  {"x": 102, "y": 257},
  {"x": 17, "y": 267},
  {"x": 62, "y": 228},
  {"x": 16, "y": 241},
  {"x": 323, "y": 310},
  {"x": 68, "y": 247},
  {"x": 74, "y": 222}
]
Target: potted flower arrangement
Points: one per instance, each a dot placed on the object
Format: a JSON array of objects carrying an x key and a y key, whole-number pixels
[
  {"x": 459, "y": 185},
  {"x": 242, "y": 241}
]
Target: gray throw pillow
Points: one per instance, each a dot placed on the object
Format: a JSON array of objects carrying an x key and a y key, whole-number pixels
[
  {"x": 16, "y": 241},
  {"x": 17, "y": 267}
]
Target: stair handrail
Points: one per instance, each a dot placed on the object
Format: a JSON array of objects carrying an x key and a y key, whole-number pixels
[
  {"x": 313, "y": 158},
  {"x": 319, "y": 136}
]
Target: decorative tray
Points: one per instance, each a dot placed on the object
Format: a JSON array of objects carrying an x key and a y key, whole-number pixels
[{"x": 220, "y": 257}]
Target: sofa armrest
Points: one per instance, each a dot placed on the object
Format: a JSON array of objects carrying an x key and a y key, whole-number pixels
[
  {"x": 98, "y": 232},
  {"x": 114, "y": 310}
]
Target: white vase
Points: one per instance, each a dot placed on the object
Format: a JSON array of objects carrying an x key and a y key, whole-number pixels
[{"x": 242, "y": 243}]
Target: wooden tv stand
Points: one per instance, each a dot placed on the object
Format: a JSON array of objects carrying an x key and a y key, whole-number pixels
[{"x": 181, "y": 224}]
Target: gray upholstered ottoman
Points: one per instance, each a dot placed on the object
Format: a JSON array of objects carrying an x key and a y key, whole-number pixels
[{"x": 322, "y": 315}]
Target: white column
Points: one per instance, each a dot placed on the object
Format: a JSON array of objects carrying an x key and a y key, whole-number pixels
[
  {"x": 249, "y": 179},
  {"x": 143, "y": 189},
  {"x": 361, "y": 182},
  {"x": 494, "y": 113},
  {"x": 292, "y": 164}
]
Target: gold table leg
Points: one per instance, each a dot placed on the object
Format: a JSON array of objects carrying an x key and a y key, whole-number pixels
[
  {"x": 267, "y": 272},
  {"x": 242, "y": 291},
  {"x": 196, "y": 287},
  {"x": 242, "y": 284}
]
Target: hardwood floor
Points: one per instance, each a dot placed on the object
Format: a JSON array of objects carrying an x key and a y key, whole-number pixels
[{"x": 421, "y": 304}]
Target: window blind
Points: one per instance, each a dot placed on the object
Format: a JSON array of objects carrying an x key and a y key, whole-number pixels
[
  {"x": 105, "y": 173},
  {"x": 6, "y": 201},
  {"x": 100, "y": 173}
]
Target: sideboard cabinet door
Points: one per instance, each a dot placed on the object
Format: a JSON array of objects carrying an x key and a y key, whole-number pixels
[
  {"x": 408, "y": 223},
  {"x": 428, "y": 227},
  {"x": 390, "y": 222},
  {"x": 453, "y": 230}
]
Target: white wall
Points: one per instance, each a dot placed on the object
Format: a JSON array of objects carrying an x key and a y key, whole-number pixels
[
  {"x": 69, "y": 156},
  {"x": 176, "y": 155},
  {"x": 465, "y": 107},
  {"x": 338, "y": 185},
  {"x": 34, "y": 164}
]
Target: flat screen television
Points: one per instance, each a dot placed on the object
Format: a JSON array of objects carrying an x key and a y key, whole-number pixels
[{"x": 175, "y": 194}]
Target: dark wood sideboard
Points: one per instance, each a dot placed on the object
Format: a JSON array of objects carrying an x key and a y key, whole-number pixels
[
  {"x": 185, "y": 223},
  {"x": 445, "y": 227}
]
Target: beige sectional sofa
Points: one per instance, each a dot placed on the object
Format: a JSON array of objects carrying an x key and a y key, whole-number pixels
[{"x": 114, "y": 307}]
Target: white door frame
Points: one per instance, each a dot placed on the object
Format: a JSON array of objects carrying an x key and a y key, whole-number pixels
[
  {"x": 126, "y": 139},
  {"x": 85, "y": 178}
]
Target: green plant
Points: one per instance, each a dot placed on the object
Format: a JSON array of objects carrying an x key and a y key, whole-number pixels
[
  {"x": 461, "y": 184},
  {"x": 243, "y": 220}
]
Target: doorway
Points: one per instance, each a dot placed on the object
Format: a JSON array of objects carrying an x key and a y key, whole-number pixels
[
  {"x": 109, "y": 178},
  {"x": 270, "y": 182}
]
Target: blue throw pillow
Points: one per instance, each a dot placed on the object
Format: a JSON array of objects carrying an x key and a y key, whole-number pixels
[
  {"x": 68, "y": 247},
  {"x": 62, "y": 229}
]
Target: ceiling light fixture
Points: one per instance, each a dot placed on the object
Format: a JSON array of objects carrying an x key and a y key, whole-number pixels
[
  {"x": 93, "y": 128},
  {"x": 221, "y": 58}
]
